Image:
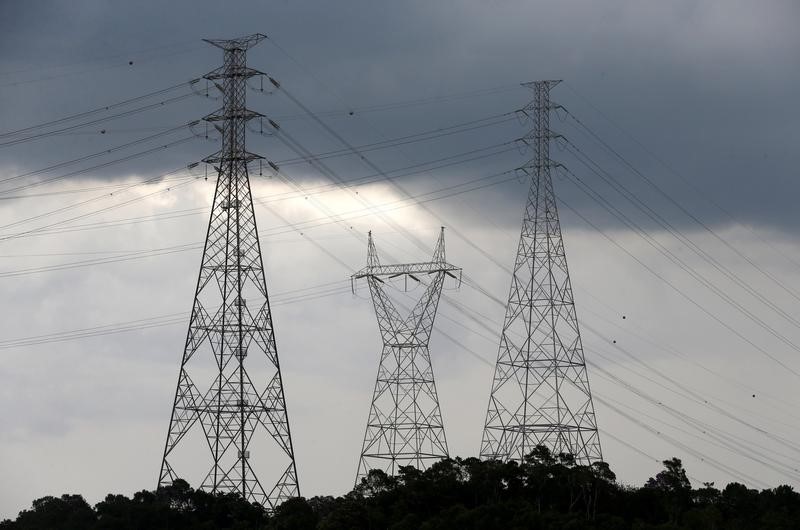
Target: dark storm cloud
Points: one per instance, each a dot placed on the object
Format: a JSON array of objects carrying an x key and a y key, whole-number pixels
[{"x": 709, "y": 86}]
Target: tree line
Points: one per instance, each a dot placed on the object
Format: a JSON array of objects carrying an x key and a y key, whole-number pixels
[{"x": 544, "y": 492}]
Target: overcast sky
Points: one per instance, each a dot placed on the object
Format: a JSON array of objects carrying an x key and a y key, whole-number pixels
[{"x": 697, "y": 96}]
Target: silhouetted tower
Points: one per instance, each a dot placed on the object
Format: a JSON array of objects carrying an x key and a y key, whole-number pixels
[
  {"x": 540, "y": 394},
  {"x": 230, "y": 384},
  {"x": 405, "y": 423}
]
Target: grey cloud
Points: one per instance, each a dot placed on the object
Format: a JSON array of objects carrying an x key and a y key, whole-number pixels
[{"x": 691, "y": 80}]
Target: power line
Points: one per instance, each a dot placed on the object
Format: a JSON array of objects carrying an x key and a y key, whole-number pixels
[
  {"x": 699, "y": 251},
  {"x": 300, "y": 227},
  {"x": 677, "y": 233},
  {"x": 690, "y": 421},
  {"x": 673, "y": 441},
  {"x": 789, "y": 407},
  {"x": 689, "y": 182},
  {"x": 125, "y": 64},
  {"x": 95, "y": 155},
  {"x": 710, "y": 430},
  {"x": 400, "y": 104},
  {"x": 82, "y": 203},
  {"x": 97, "y": 110},
  {"x": 670, "y": 256},
  {"x": 98, "y": 166},
  {"x": 746, "y": 452},
  {"x": 327, "y": 128},
  {"x": 375, "y": 168},
  {"x": 281, "y": 298},
  {"x": 412, "y": 138},
  {"x": 143, "y": 108}
]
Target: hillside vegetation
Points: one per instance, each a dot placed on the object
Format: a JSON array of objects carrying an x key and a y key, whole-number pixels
[{"x": 545, "y": 492}]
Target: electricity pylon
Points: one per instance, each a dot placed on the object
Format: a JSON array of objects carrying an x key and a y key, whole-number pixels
[
  {"x": 405, "y": 423},
  {"x": 231, "y": 335},
  {"x": 540, "y": 393}
]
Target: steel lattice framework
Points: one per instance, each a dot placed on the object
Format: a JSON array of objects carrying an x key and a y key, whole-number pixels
[
  {"x": 230, "y": 332},
  {"x": 405, "y": 423},
  {"x": 540, "y": 393}
]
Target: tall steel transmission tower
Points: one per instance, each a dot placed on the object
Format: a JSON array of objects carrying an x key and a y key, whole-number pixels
[
  {"x": 540, "y": 393},
  {"x": 230, "y": 384},
  {"x": 405, "y": 423}
]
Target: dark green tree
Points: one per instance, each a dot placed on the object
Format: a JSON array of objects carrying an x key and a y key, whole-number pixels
[{"x": 674, "y": 488}]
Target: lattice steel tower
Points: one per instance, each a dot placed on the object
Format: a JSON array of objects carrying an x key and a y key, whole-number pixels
[
  {"x": 540, "y": 394},
  {"x": 235, "y": 392},
  {"x": 405, "y": 423}
]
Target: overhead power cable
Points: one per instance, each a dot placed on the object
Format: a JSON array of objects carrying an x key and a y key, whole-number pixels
[
  {"x": 749, "y": 453},
  {"x": 273, "y": 197},
  {"x": 689, "y": 182},
  {"x": 781, "y": 462},
  {"x": 281, "y": 298},
  {"x": 322, "y": 123},
  {"x": 76, "y": 191},
  {"x": 702, "y": 398},
  {"x": 412, "y": 138},
  {"x": 462, "y": 345},
  {"x": 731, "y": 442},
  {"x": 300, "y": 228},
  {"x": 98, "y": 154},
  {"x": 788, "y": 408},
  {"x": 98, "y": 110},
  {"x": 104, "y": 196},
  {"x": 581, "y": 185},
  {"x": 399, "y": 104},
  {"x": 305, "y": 109},
  {"x": 697, "y": 249},
  {"x": 396, "y": 185},
  {"x": 126, "y": 55},
  {"x": 98, "y": 166},
  {"x": 688, "y": 449},
  {"x": 670, "y": 439},
  {"x": 683, "y": 390},
  {"x": 121, "y": 64},
  {"x": 308, "y": 224},
  {"x": 143, "y": 108}
]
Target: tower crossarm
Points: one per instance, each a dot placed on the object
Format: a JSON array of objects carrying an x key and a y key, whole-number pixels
[
  {"x": 222, "y": 157},
  {"x": 432, "y": 267},
  {"x": 530, "y": 139},
  {"x": 228, "y": 114},
  {"x": 239, "y": 43},
  {"x": 238, "y": 71},
  {"x": 532, "y": 166}
]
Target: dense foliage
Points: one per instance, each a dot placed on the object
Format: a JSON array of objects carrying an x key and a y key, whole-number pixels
[{"x": 545, "y": 492}]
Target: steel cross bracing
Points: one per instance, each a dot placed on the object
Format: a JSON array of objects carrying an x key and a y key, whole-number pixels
[
  {"x": 405, "y": 423},
  {"x": 230, "y": 385},
  {"x": 540, "y": 393}
]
